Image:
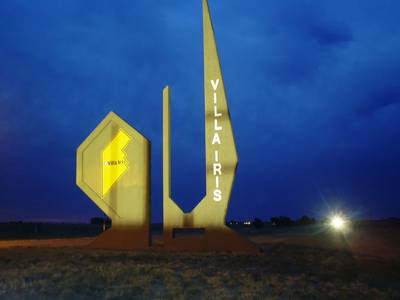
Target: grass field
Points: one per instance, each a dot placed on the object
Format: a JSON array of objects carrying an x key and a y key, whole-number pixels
[{"x": 295, "y": 264}]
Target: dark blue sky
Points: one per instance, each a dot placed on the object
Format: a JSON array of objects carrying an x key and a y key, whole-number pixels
[{"x": 313, "y": 89}]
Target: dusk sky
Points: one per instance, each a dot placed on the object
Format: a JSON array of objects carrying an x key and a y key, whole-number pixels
[{"x": 313, "y": 89}]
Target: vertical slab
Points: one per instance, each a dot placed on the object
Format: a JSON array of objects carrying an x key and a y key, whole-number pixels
[
  {"x": 204, "y": 229},
  {"x": 113, "y": 170}
]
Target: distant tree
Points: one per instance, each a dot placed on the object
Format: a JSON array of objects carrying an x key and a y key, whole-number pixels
[
  {"x": 281, "y": 221},
  {"x": 392, "y": 219},
  {"x": 305, "y": 220},
  {"x": 324, "y": 220},
  {"x": 258, "y": 223}
]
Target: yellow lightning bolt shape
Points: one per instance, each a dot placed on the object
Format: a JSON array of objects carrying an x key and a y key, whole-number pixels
[{"x": 115, "y": 163}]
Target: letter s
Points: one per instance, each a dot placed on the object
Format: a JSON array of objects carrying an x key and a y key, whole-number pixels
[{"x": 217, "y": 195}]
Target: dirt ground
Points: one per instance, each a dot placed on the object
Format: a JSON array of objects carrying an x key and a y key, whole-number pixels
[{"x": 297, "y": 263}]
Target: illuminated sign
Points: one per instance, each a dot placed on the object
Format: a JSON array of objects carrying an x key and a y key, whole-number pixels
[
  {"x": 216, "y": 140},
  {"x": 115, "y": 163},
  {"x": 113, "y": 170},
  {"x": 208, "y": 217}
]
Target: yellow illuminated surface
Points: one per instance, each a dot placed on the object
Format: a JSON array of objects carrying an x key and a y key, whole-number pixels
[
  {"x": 115, "y": 163},
  {"x": 221, "y": 161},
  {"x": 113, "y": 170}
]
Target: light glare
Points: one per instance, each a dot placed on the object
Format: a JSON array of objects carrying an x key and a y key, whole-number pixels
[{"x": 337, "y": 222}]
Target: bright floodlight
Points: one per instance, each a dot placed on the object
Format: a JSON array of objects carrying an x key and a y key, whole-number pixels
[{"x": 338, "y": 222}]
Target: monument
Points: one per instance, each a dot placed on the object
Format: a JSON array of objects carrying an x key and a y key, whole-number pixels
[
  {"x": 204, "y": 229},
  {"x": 113, "y": 171}
]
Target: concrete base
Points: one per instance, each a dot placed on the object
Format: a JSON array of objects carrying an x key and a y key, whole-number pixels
[
  {"x": 221, "y": 240},
  {"x": 122, "y": 239}
]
